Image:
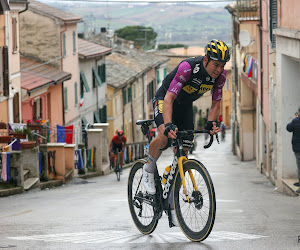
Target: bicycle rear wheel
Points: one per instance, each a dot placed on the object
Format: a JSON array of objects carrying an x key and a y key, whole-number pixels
[
  {"x": 196, "y": 218},
  {"x": 142, "y": 212}
]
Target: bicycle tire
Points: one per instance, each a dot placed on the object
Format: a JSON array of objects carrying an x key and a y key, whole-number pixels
[
  {"x": 118, "y": 170},
  {"x": 196, "y": 219},
  {"x": 147, "y": 221}
]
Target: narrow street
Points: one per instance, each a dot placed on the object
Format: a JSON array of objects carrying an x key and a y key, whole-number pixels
[{"x": 94, "y": 214}]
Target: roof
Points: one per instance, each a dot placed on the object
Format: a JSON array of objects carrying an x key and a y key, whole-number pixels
[
  {"x": 3, "y": 6},
  {"x": 88, "y": 49},
  {"x": 35, "y": 75},
  {"x": 124, "y": 66},
  {"x": 48, "y": 10}
]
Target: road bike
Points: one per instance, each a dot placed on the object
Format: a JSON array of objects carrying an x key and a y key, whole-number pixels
[
  {"x": 116, "y": 164},
  {"x": 190, "y": 184}
]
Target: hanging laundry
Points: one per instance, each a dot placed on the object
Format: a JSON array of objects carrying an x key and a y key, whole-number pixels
[
  {"x": 5, "y": 175},
  {"x": 80, "y": 161},
  {"x": 61, "y": 134},
  {"x": 69, "y": 134}
]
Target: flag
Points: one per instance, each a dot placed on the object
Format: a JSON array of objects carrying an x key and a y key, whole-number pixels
[
  {"x": 61, "y": 134},
  {"x": 69, "y": 134},
  {"x": 81, "y": 102}
]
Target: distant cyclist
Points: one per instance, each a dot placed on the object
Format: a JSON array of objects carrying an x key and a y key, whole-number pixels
[
  {"x": 173, "y": 103},
  {"x": 117, "y": 142}
]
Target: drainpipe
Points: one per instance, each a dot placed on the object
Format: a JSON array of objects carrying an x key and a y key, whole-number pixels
[
  {"x": 26, "y": 8},
  {"x": 62, "y": 68},
  {"x": 261, "y": 59}
]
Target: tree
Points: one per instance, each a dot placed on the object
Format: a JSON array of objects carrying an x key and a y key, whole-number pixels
[{"x": 143, "y": 37}]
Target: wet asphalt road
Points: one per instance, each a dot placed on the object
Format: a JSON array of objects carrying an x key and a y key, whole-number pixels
[{"x": 94, "y": 214}]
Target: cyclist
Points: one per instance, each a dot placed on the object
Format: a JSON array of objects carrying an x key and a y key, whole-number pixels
[
  {"x": 173, "y": 107},
  {"x": 117, "y": 142}
]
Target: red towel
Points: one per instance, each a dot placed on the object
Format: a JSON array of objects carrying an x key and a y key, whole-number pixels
[{"x": 69, "y": 134}]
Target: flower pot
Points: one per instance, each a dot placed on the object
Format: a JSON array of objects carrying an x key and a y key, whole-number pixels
[
  {"x": 27, "y": 144},
  {"x": 5, "y": 138},
  {"x": 35, "y": 126},
  {"x": 18, "y": 135}
]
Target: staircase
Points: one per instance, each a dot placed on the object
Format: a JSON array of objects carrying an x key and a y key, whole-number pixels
[{"x": 29, "y": 182}]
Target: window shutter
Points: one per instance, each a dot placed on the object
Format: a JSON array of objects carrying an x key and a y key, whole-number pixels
[
  {"x": 273, "y": 21},
  {"x": 157, "y": 76},
  {"x": 76, "y": 93},
  {"x": 124, "y": 97},
  {"x": 165, "y": 72},
  {"x": 102, "y": 72},
  {"x": 103, "y": 115},
  {"x": 64, "y": 45},
  {"x": 14, "y": 35},
  {"x": 129, "y": 94},
  {"x": 74, "y": 42},
  {"x": 66, "y": 99}
]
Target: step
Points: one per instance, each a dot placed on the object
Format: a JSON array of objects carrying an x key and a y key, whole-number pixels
[
  {"x": 68, "y": 174},
  {"x": 28, "y": 183},
  {"x": 290, "y": 184},
  {"x": 26, "y": 174}
]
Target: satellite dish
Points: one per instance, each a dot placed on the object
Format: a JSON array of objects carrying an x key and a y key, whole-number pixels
[{"x": 244, "y": 38}]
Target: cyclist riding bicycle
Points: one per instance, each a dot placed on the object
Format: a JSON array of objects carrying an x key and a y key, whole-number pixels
[
  {"x": 117, "y": 142},
  {"x": 173, "y": 101}
]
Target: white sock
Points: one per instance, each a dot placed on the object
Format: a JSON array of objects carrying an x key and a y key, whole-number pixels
[{"x": 151, "y": 164}]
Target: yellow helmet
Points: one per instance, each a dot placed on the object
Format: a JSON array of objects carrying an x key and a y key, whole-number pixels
[{"x": 217, "y": 50}]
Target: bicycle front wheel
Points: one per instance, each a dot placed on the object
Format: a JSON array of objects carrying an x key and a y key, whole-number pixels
[
  {"x": 118, "y": 170},
  {"x": 196, "y": 218},
  {"x": 142, "y": 212}
]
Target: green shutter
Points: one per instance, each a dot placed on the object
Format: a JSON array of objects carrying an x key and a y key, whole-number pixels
[
  {"x": 102, "y": 114},
  {"x": 64, "y": 45},
  {"x": 96, "y": 117},
  {"x": 129, "y": 94},
  {"x": 124, "y": 97},
  {"x": 96, "y": 77},
  {"x": 76, "y": 93},
  {"x": 83, "y": 81},
  {"x": 74, "y": 42},
  {"x": 102, "y": 72},
  {"x": 134, "y": 91},
  {"x": 65, "y": 98},
  {"x": 165, "y": 72},
  {"x": 157, "y": 76}
]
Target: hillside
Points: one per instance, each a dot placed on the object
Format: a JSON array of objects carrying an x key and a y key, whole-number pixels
[{"x": 191, "y": 24}]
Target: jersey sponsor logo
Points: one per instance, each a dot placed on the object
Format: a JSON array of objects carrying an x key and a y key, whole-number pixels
[
  {"x": 181, "y": 77},
  {"x": 197, "y": 81},
  {"x": 189, "y": 89},
  {"x": 204, "y": 88},
  {"x": 196, "y": 69},
  {"x": 179, "y": 84},
  {"x": 174, "y": 90},
  {"x": 160, "y": 106},
  {"x": 207, "y": 78}
]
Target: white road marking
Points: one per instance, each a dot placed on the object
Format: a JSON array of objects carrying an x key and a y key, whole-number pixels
[{"x": 121, "y": 237}]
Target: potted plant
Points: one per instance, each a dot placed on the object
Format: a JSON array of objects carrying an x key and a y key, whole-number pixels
[
  {"x": 6, "y": 138},
  {"x": 18, "y": 133},
  {"x": 30, "y": 143}
]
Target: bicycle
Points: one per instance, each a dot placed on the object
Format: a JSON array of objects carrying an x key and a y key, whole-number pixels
[
  {"x": 116, "y": 164},
  {"x": 190, "y": 184}
]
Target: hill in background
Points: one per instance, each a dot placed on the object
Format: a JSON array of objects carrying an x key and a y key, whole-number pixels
[{"x": 190, "y": 24}]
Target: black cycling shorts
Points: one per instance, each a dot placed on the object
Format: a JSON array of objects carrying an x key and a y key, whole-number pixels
[
  {"x": 114, "y": 147},
  {"x": 182, "y": 117}
]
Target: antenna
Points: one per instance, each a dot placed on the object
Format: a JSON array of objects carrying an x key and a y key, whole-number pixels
[{"x": 244, "y": 38}]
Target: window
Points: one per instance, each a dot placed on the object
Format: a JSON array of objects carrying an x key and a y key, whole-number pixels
[
  {"x": 103, "y": 114},
  {"x": 64, "y": 45},
  {"x": 65, "y": 98},
  {"x": 74, "y": 42},
  {"x": 14, "y": 35},
  {"x": 96, "y": 78},
  {"x": 102, "y": 72},
  {"x": 38, "y": 109},
  {"x": 76, "y": 93}
]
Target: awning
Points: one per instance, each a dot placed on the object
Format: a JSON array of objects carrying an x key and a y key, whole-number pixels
[
  {"x": 84, "y": 81},
  {"x": 96, "y": 76}
]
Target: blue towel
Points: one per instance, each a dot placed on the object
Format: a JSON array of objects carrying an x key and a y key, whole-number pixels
[
  {"x": 80, "y": 161},
  {"x": 61, "y": 134},
  {"x": 40, "y": 162}
]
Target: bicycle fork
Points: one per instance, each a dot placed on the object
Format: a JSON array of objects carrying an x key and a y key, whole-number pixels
[{"x": 181, "y": 160}]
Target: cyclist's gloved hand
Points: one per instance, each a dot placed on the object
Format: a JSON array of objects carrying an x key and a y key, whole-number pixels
[
  {"x": 168, "y": 127},
  {"x": 208, "y": 125}
]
